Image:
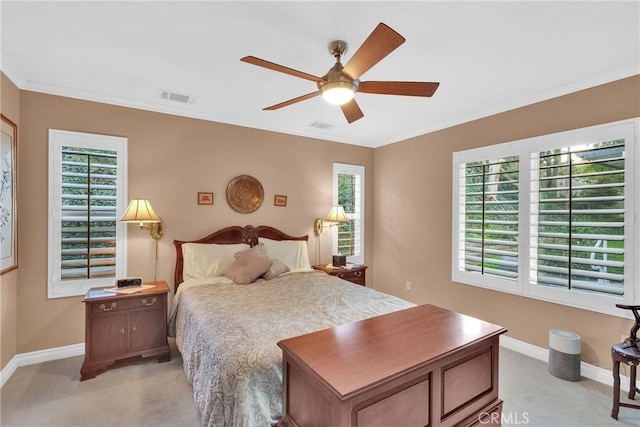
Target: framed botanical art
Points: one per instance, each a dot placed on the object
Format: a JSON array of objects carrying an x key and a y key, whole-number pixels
[{"x": 8, "y": 205}]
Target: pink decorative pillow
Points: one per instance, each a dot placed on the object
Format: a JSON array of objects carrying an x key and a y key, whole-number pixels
[{"x": 247, "y": 268}]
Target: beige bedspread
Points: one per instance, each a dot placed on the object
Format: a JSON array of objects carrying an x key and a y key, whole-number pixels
[{"x": 227, "y": 335}]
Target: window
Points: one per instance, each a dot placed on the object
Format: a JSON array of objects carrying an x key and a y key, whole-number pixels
[
  {"x": 490, "y": 206},
  {"x": 580, "y": 205},
  {"x": 348, "y": 191},
  {"x": 87, "y": 191},
  {"x": 551, "y": 217}
]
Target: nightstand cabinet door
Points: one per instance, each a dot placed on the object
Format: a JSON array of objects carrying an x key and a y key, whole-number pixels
[
  {"x": 146, "y": 328},
  {"x": 109, "y": 335}
]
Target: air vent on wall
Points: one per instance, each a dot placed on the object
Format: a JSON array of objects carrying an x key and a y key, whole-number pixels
[
  {"x": 177, "y": 97},
  {"x": 320, "y": 125}
]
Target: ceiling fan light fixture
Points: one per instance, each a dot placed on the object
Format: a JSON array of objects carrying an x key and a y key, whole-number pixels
[
  {"x": 338, "y": 92},
  {"x": 338, "y": 95}
]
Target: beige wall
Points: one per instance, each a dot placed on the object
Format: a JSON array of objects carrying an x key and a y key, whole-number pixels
[
  {"x": 412, "y": 211},
  {"x": 170, "y": 159},
  {"x": 10, "y": 107}
]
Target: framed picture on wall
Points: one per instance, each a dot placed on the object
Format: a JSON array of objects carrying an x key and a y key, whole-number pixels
[
  {"x": 8, "y": 206},
  {"x": 205, "y": 198},
  {"x": 280, "y": 200}
]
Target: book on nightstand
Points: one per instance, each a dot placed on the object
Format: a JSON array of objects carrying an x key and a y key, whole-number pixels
[{"x": 346, "y": 267}]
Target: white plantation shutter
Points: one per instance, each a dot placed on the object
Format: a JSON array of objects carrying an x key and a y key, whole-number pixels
[
  {"x": 580, "y": 208},
  {"x": 490, "y": 206},
  {"x": 349, "y": 193},
  {"x": 88, "y": 221},
  {"x": 87, "y": 191}
]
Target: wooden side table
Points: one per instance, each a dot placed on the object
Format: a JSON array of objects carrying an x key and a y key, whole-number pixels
[
  {"x": 355, "y": 274},
  {"x": 629, "y": 356},
  {"x": 119, "y": 326}
]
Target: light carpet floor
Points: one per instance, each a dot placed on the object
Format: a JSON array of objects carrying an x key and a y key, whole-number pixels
[{"x": 157, "y": 394}]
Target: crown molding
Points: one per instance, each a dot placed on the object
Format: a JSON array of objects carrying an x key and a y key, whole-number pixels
[
  {"x": 12, "y": 72},
  {"x": 18, "y": 79}
]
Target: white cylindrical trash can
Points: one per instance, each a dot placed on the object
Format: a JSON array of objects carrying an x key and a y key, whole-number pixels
[{"x": 564, "y": 354}]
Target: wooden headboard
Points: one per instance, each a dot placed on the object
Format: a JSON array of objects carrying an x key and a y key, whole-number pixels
[{"x": 228, "y": 236}]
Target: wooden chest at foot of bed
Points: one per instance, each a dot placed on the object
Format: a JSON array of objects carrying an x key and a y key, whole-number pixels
[{"x": 423, "y": 366}]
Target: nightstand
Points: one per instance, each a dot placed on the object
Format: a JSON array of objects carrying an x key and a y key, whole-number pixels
[
  {"x": 119, "y": 326},
  {"x": 355, "y": 274}
]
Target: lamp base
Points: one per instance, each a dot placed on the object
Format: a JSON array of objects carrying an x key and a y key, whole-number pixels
[{"x": 339, "y": 260}]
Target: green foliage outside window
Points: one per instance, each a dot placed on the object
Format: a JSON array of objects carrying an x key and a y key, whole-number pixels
[
  {"x": 491, "y": 216},
  {"x": 347, "y": 199},
  {"x": 89, "y": 189},
  {"x": 582, "y": 217}
]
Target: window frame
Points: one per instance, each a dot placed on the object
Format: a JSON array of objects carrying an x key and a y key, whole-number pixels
[
  {"x": 358, "y": 170},
  {"x": 56, "y": 287},
  {"x": 528, "y": 149},
  {"x": 459, "y": 275}
]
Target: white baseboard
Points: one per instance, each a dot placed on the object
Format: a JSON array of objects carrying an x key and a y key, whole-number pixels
[
  {"x": 595, "y": 373},
  {"x": 40, "y": 356},
  {"x": 587, "y": 370},
  {"x": 8, "y": 370}
]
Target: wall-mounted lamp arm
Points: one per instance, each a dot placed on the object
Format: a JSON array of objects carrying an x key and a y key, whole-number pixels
[{"x": 155, "y": 229}]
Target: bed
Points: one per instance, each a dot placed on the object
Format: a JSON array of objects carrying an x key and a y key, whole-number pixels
[{"x": 228, "y": 333}]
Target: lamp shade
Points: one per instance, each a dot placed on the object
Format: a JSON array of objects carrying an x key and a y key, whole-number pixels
[
  {"x": 337, "y": 214},
  {"x": 140, "y": 211}
]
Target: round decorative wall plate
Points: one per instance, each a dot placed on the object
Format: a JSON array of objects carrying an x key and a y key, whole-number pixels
[{"x": 244, "y": 194}]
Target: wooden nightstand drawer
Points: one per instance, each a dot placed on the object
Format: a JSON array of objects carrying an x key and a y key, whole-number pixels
[
  {"x": 127, "y": 304},
  {"x": 352, "y": 276},
  {"x": 355, "y": 274}
]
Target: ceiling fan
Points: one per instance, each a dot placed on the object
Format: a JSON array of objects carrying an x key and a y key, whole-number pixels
[{"x": 340, "y": 84}]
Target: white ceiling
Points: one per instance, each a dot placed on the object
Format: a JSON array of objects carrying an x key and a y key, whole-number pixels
[{"x": 488, "y": 57}]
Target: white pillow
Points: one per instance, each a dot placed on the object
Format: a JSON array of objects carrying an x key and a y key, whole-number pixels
[
  {"x": 207, "y": 260},
  {"x": 293, "y": 253}
]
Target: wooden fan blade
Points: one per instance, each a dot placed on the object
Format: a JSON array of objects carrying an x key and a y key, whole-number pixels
[
  {"x": 281, "y": 68},
  {"x": 292, "y": 101},
  {"x": 399, "y": 88},
  {"x": 380, "y": 43},
  {"x": 352, "y": 111}
]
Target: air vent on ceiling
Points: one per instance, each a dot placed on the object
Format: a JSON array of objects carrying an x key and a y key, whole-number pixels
[
  {"x": 320, "y": 125},
  {"x": 177, "y": 97}
]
